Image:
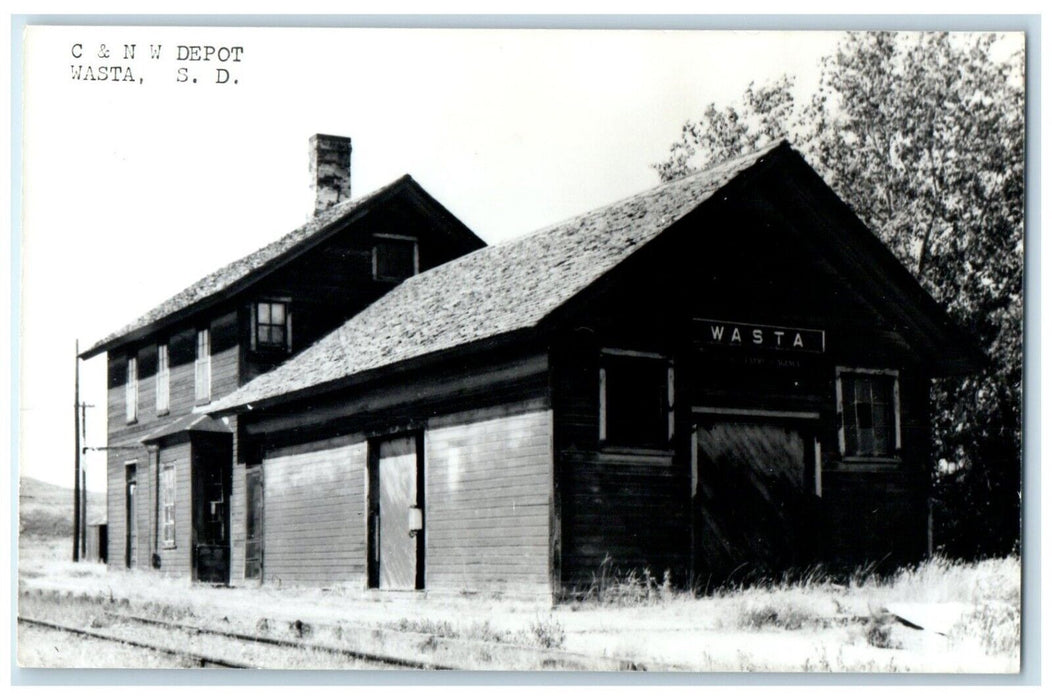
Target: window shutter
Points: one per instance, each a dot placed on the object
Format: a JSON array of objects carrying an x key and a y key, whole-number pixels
[
  {"x": 253, "y": 324},
  {"x": 288, "y": 326}
]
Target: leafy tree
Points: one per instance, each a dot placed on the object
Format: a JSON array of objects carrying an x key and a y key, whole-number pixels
[
  {"x": 761, "y": 118},
  {"x": 923, "y": 135}
]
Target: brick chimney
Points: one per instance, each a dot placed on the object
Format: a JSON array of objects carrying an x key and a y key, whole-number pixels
[{"x": 330, "y": 169}]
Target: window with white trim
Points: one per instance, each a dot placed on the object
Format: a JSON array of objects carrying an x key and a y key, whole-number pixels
[
  {"x": 636, "y": 399},
  {"x": 271, "y": 326},
  {"x": 395, "y": 257},
  {"x": 203, "y": 367},
  {"x": 168, "y": 506},
  {"x": 131, "y": 391},
  {"x": 163, "y": 379},
  {"x": 868, "y": 411}
]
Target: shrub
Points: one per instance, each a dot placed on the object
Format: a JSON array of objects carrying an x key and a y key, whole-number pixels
[
  {"x": 879, "y": 636},
  {"x": 783, "y": 615},
  {"x": 549, "y": 634}
]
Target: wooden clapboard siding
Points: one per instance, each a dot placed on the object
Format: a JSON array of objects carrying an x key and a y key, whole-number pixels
[
  {"x": 615, "y": 507},
  {"x": 489, "y": 494},
  {"x": 399, "y": 400},
  {"x": 735, "y": 263},
  {"x": 174, "y": 561},
  {"x": 182, "y": 348},
  {"x": 876, "y": 516},
  {"x": 124, "y": 438},
  {"x": 124, "y": 446},
  {"x": 237, "y": 522},
  {"x": 314, "y": 517},
  {"x": 325, "y": 287},
  {"x": 225, "y": 354}
]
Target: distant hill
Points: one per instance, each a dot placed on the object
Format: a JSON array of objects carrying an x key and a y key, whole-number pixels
[{"x": 46, "y": 510}]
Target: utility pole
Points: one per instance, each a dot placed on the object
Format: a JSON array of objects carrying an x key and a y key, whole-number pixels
[
  {"x": 76, "y": 462},
  {"x": 83, "y": 482}
]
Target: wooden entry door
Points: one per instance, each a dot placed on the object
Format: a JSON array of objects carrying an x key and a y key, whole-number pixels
[
  {"x": 211, "y": 513},
  {"x": 754, "y": 498},
  {"x": 131, "y": 546},
  {"x": 397, "y": 520}
]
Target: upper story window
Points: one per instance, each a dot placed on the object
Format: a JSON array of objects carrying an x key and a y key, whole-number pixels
[
  {"x": 131, "y": 391},
  {"x": 203, "y": 367},
  {"x": 271, "y": 326},
  {"x": 636, "y": 399},
  {"x": 163, "y": 378},
  {"x": 868, "y": 407},
  {"x": 395, "y": 257}
]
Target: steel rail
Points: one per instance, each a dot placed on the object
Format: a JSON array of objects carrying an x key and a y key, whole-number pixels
[
  {"x": 199, "y": 659},
  {"x": 323, "y": 648}
]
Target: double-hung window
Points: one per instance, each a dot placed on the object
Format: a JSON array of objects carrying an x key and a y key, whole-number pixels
[
  {"x": 868, "y": 407},
  {"x": 168, "y": 506},
  {"x": 636, "y": 399},
  {"x": 131, "y": 391},
  {"x": 163, "y": 379},
  {"x": 203, "y": 367}
]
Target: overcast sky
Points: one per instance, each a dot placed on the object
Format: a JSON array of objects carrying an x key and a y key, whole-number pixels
[{"x": 132, "y": 191}]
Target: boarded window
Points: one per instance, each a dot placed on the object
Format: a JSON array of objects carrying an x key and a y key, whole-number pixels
[
  {"x": 131, "y": 390},
  {"x": 203, "y": 367},
  {"x": 394, "y": 258},
  {"x": 163, "y": 378},
  {"x": 168, "y": 506},
  {"x": 635, "y": 400},
  {"x": 869, "y": 413},
  {"x": 272, "y": 325}
]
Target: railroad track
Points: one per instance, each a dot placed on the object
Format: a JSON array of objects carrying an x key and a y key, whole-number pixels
[
  {"x": 201, "y": 660},
  {"x": 357, "y": 647},
  {"x": 234, "y": 646}
]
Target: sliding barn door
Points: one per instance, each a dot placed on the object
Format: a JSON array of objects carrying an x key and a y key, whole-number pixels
[{"x": 752, "y": 507}]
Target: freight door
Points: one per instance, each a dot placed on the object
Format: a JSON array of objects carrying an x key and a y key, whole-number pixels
[
  {"x": 753, "y": 498},
  {"x": 131, "y": 554},
  {"x": 397, "y": 522}
]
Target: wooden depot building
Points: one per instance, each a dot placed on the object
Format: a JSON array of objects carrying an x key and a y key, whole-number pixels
[{"x": 727, "y": 373}]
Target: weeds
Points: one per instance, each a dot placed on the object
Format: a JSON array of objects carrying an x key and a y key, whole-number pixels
[
  {"x": 784, "y": 615},
  {"x": 879, "y": 636},
  {"x": 548, "y": 634},
  {"x": 995, "y": 625},
  {"x": 440, "y": 628},
  {"x": 612, "y": 586}
]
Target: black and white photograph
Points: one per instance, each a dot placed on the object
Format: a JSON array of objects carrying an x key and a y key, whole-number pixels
[{"x": 423, "y": 348}]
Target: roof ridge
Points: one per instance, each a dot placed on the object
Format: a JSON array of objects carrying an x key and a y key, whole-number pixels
[
  {"x": 752, "y": 156},
  {"x": 314, "y": 226},
  {"x": 495, "y": 290}
]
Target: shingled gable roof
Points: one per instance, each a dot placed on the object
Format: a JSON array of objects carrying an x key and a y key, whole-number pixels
[
  {"x": 240, "y": 273},
  {"x": 492, "y": 291}
]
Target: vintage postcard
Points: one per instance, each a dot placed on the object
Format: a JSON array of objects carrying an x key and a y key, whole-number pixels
[{"x": 504, "y": 349}]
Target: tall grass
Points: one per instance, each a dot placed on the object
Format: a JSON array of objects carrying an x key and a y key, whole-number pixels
[
  {"x": 986, "y": 595},
  {"x": 612, "y": 586}
]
